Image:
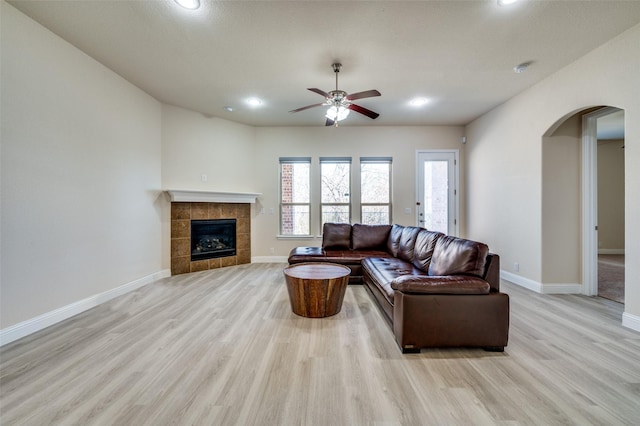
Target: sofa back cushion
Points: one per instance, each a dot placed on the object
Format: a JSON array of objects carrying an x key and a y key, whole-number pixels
[
  {"x": 393, "y": 243},
  {"x": 336, "y": 236},
  {"x": 423, "y": 250},
  {"x": 407, "y": 243},
  {"x": 369, "y": 237},
  {"x": 455, "y": 256}
]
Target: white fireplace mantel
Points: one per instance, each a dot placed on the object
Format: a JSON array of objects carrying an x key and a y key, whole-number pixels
[{"x": 189, "y": 196}]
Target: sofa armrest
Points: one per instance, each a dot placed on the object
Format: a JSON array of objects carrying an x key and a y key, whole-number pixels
[
  {"x": 492, "y": 271},
  {"x": 449, "y": 284}
]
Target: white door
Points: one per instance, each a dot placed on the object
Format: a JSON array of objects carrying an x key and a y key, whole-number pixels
[{"x": 437, "y": 185}]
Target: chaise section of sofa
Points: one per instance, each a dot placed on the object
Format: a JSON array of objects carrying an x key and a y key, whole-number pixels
[{"x": 347, "y": 245}]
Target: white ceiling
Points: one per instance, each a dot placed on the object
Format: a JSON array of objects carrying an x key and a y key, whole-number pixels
[{"x": 459, "y": 54}]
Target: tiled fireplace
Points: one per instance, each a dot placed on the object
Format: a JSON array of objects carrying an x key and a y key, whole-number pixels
[{"x": 182, "y": 215}]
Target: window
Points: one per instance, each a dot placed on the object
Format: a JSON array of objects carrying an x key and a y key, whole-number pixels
[
  {"x": 375, "y": 190},
  {"x": 335, "y": 190},
  {"x": 295, "y": 199}
]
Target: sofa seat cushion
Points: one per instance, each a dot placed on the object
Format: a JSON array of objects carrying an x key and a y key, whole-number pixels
[
  {"x": 450, "y": 284},
  {"x": 351, "y": 256},
  {"x": 383, "y": 270}
]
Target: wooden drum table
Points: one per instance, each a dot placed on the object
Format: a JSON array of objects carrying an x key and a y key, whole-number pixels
[{"x": 316, "y": 290}]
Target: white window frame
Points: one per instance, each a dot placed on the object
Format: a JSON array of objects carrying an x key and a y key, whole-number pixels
[
  {"x": 377, "y": 160},
  {"x": 293, "y": 160},
  {"x": 331, "y": 160}
]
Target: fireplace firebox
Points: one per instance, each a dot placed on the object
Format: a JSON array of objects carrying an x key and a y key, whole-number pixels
[{"x": 213, "y": 238}]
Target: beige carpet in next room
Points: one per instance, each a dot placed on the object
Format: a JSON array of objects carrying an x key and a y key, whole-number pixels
[{"x": 611, "y": 277}]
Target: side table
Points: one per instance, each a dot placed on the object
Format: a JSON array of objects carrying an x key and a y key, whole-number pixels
[{"x": 316, "y": 289}]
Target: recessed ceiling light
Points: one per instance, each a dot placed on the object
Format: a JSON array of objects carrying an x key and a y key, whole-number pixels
[
  {"x": 254, "y": 102},
  {"x": 418, "y": 102},
  {"x": 189, "y": 4},
  {"x": 228, "y": 108},
  {"x": 506, "y": 2}
]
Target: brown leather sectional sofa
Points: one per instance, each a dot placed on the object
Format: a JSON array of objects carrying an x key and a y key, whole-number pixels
[{"x": 435, "y": 290}]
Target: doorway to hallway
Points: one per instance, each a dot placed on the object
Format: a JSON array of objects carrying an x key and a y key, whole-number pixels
[{"x": 603, "y": 203}]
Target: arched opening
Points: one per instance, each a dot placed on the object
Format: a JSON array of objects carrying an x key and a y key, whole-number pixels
[{"x": 570, "y": 186}]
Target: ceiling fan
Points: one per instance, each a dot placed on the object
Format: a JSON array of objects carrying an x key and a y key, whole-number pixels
[{"x": 339, "y": 102}]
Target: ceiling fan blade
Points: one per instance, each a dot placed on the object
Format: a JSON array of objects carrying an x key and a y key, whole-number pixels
[
  {"x": 320, "y": 92},
  {"x": 360, "y": 95},
  {"x": 363, "y": 110},
  {"x": 329, "y": 122},
  {"x": 307, "y": 107}
]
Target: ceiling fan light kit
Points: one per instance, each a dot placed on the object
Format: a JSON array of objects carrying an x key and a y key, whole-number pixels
[
  {"x": 337, "y": 113},
  {"x": 339, "y": 102}
]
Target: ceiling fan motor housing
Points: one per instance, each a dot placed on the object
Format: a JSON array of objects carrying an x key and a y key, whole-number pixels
[{"x": 338, "y": 96}]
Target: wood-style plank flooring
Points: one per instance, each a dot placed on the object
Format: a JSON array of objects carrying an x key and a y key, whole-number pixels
[{"x": 222, "y": 347}]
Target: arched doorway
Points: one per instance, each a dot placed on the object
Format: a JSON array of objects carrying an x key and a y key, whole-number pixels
[
  {"x": 603, "y": 202},
  {"x": 569, "y": 202}
]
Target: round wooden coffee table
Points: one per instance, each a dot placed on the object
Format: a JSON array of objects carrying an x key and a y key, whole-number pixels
[{"x": 316, "y": 289}]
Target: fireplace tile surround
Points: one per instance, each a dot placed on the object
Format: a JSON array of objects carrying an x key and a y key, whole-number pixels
[{"x": 181, "y": 215}]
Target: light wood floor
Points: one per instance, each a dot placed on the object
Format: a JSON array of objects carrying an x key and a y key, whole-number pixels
[{"x": 222, "y": 347}]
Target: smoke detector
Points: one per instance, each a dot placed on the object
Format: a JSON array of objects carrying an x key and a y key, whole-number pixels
[{"x": 520, "y": 68}]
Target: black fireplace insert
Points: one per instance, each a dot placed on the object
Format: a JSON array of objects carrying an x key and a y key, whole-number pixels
[{"x": 213, "y": 238}]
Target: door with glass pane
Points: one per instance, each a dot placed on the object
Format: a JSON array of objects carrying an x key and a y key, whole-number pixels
[{"x": 437, "y": 206}]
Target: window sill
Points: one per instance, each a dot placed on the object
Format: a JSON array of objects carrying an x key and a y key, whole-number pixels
[{"x": 295, "y": 237}]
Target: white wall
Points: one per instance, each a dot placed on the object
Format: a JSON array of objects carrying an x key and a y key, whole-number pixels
[
  {"x": 561, "y": 204},
  {"x": 194, "y": 145},
  {"x": 401, "y": 143},
  {"x": 504, "y": 146},
  {"x": 241, "y": 158},
  {"x": 80, "y": 175}
]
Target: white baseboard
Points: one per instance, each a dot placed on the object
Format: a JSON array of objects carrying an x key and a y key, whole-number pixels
[
  {"x": 628, "y": 320},
  {"x": 269, "y": 259},
  {"x": 631, "y": 321},
  {"x": 30, "y": 326},
  {"x": 548, "y": 288},
  {"x": 610, "y": 251},
  {"x": 561, "y": 288},
  {"x": 521, "y": 281}
]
